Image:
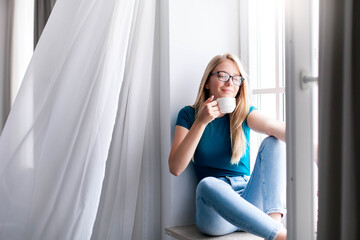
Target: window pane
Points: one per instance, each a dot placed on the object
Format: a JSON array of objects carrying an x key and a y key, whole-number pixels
[
  {"x": 267, "y": 104},
  {"x": 281, "y": 42},
  {"x": 266, "y": 41}
]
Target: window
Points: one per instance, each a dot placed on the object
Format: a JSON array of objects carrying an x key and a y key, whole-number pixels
[
  {"x": 262, "y": 29},
  {"x": 266, "y": 62}
]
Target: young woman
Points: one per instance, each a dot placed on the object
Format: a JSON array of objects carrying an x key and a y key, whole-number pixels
[{"x": 228, "y": 199}]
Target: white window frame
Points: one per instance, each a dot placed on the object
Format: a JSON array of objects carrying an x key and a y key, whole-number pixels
[
  {"x": 300, "y": 54},
  {"x": 300, "y": 57}
]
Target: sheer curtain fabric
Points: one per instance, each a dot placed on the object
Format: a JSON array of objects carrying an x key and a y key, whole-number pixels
[
  {"x": 6, "y": 12},
  {"x": 89, "y": 86},
  {"x": 42, "y": 12}
]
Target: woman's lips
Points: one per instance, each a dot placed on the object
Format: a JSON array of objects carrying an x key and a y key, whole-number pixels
[{"x": 227, "y": 90}]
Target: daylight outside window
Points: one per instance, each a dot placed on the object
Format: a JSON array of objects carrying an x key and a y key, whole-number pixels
[{"x": 266, "y": 62}]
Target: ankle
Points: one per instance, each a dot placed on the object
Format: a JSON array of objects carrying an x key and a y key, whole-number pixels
[
  {"x": 281, "y": 235},
  {"x": 276, "y": 216}
]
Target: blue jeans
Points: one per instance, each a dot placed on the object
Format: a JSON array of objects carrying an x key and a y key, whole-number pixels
[{"x": 242, "y": 203}]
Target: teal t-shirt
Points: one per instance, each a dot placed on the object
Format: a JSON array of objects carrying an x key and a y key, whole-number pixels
[{"x": 213, "y": 154}]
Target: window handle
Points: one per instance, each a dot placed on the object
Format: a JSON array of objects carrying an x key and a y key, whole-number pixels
[{"x": 307, "y": 81}]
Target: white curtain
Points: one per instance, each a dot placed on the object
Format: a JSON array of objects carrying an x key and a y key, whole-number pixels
[
  {"x": 16, "y": 49},
  {"x": 6, "y": 12},
  {"x": 339, "y": 120},
  {"x": 42, "y": 12},
  {"x": 89, "y": 95}
]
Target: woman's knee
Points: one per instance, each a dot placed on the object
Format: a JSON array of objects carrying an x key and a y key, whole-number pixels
[
  {"x": 272, "y": 151},
  {"x": 206, "y": 184},
  {"x": 211, "y": 186},
  {"x": 272, "y": 144}
]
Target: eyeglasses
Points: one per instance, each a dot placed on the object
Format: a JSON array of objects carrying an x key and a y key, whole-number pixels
[{"x": 224, "y": 77}]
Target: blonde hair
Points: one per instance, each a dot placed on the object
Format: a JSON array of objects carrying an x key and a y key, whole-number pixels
[{"x": 238, "y": 140}]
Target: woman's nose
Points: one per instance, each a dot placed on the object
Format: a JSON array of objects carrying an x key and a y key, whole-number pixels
[{"x": 229, "y": 82}]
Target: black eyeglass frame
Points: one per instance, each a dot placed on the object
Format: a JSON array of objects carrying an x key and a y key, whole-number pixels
[{"x": 229, "y": 76}]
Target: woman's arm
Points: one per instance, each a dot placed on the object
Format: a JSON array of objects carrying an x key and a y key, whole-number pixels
[
  {"x": 184, "y": 146},
  {"x": 264, "y": 124},
  {"x": 185, "y": 141}
]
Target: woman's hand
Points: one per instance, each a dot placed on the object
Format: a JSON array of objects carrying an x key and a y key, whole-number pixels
[{"x": 208, "y": 111}]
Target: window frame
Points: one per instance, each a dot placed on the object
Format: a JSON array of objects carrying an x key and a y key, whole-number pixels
[{"x": 300, "y": 51}]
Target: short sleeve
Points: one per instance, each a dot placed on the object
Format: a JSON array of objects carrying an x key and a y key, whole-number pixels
[
  {"x": 186, "y": 117},
  {"x": 252, "y": 108}
]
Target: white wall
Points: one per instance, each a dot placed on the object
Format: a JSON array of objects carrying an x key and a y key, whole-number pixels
[{"x": 198, "y": 30}]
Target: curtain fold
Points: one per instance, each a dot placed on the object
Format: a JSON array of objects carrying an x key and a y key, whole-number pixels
[
  {"x": 6, "y": 13},
  {"x": 130, "y": 146},
  {"x": 339, "y": 118},
  {"x": 42, "y": 12},
  {"x": 87, "y": 97}
]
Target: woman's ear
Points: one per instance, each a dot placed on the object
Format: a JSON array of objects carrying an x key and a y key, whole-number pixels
[{"x": 207, "y": 86}]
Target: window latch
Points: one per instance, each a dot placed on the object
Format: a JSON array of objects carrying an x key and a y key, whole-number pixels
[{"x": 307, "y": 81}]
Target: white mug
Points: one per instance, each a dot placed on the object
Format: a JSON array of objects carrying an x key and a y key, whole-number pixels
[{"x": 226, "y": 104}]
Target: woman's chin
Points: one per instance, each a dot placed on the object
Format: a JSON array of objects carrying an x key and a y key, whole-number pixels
[{"x": 223, "y": 95}]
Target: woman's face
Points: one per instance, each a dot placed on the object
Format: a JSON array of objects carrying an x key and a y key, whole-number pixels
[{"x": 223, "y": 89}]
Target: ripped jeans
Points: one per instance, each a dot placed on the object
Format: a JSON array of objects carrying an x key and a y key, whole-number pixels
[{"x": 242, "y": 203}]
